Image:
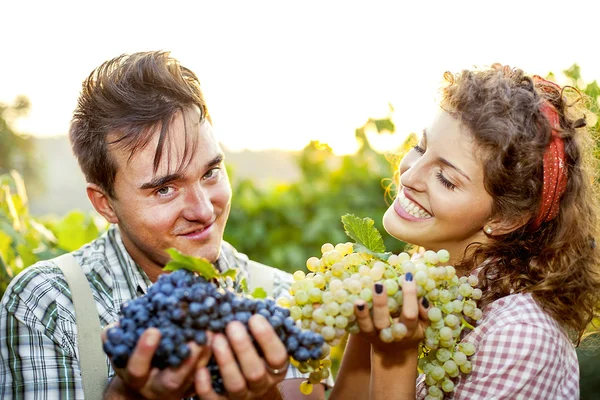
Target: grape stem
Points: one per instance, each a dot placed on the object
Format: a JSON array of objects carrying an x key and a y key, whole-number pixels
[{"x": 465, "y": 324}]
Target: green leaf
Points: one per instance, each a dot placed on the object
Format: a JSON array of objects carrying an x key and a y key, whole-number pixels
[
  {"x": 363, "y": 232},
  {"x": 244, "y": 285},
  {"x": 359, "y": 248},
  {"x": 200, "y": 265},
  {"x": 232, "y": 273},
  {"x": 75, "y": 230},
  {"x": 259, "y": 293}
]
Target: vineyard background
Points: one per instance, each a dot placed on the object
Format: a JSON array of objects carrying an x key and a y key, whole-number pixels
[{"x": 285, "y": 204}]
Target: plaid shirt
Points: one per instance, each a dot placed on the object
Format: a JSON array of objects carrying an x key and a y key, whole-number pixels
[
  {"x": 521, "y": 353},
  {"x": 38, "y": 332}
]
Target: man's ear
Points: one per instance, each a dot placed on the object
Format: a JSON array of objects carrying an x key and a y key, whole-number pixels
[
  {"x": 501, "y": 226},
  {"x": 101, "y": 202}
]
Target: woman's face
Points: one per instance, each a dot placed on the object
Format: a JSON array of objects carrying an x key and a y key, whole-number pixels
[{"x": 441, "y": 202}]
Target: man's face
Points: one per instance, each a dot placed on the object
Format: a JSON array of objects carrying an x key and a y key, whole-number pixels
[{"x": 185, "y": 209}]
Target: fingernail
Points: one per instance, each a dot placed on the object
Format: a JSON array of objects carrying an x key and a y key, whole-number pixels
[
  {"x": 378, "y": 288},
  {"x": 360, "y": 306},
  {"x": 409, "y": 277},
  {"x": 425, "y": 302}
]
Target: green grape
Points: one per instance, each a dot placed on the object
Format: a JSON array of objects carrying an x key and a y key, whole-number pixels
[
  {"x": 314, "y": 295},
  {"x": 341, "y": 321},
  {"x": 450, "y": 366},
  {"x": 296, "y": 312},
  {"x": 438, "y": 373},
  {"x": 459, "y": 357},
  {"x": 347, "y": 308},
  {"x": 448, "y": 386},
  {"x": 319, "y": 315},
  {"x": 467, "y": 348},
  {"x": 443, "y": 256},
  {"x": 386, "y": 335},
  {"x": 434, "y": 314},
  {"x": 366, "y": 294},
  {"x": 466, "y": 367},
  {"x": 301, "y": 297},
  {"x": 307, "y": 311},
  {"x": 328, "y": 332},
  {"x": 327, "y": 297},
  {"x": 434, "y": 391},
  {"x": 451, "y": 320},
  {"x": 443, "y": 355},
  {"x": 323, "y": 300},
  {"x": 465, "y": 290},
  {"x": 299, "y": 275},
  {"x": 332, "y": 308},
  {"x": 391, "y": 286},
  {"x": 399, "y": 331}
]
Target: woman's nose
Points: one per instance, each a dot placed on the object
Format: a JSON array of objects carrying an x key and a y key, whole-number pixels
[{"x": 412, "y": 172}]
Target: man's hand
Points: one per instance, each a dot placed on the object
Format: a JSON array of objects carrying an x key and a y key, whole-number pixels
[
  {"x": 139, "y": 380},
  {"x": 246, "y": 375}
]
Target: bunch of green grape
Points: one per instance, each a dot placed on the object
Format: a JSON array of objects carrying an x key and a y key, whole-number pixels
[{"x": 323, "y": 301}]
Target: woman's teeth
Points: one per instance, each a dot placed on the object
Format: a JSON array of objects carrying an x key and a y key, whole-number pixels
[{"x": 411, "y": 207}]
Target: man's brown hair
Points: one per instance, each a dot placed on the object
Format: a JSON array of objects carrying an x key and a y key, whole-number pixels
[{"x": 125, "y": 102}]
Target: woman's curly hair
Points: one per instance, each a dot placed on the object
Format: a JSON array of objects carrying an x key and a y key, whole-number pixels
[{"x": 558, "y": 263}]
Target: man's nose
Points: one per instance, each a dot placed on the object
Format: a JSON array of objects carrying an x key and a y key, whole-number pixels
[{"x": 198, "y": 205}]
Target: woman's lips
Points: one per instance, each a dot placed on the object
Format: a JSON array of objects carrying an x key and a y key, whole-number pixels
[{"x": 402, "y": 213}]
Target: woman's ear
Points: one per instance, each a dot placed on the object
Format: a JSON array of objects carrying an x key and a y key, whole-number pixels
[
  {"x": 501, "y": 226},
  {"x": 101, "y": 202}
]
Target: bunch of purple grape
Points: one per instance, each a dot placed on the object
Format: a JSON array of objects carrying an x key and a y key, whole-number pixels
[{"x": 184, "y": 306}]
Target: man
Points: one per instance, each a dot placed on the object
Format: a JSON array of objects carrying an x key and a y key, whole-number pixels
[{"x": 143, "y": 138}]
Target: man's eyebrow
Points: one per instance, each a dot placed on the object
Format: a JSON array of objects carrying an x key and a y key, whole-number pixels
[
  {"x": 160, "y": 181},
  {"x": 446, "y": 162},
  {"x": 217, "y": 160}
]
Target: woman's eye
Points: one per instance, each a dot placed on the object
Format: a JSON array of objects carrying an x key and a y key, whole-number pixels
[{"x": 445, "y": 182}]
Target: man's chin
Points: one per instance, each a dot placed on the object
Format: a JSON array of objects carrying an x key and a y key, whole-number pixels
[{"x": 209, "y": 252}]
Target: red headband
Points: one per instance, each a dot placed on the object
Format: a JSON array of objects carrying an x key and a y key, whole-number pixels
[{"x": 555, "y": 171}]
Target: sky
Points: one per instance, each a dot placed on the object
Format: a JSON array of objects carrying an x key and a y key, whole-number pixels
[{"x": 278, "y": 74}]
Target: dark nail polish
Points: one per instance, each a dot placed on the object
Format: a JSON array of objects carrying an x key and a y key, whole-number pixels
[
  {"x": 425, "y": 302},
  {"x": 409, "y": 276},
  {"x": 360, "y": 307},
  {"x": 378, "y": 288}
]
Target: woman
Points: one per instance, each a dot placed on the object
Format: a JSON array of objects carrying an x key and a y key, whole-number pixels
[{"x": 501, "y": 179}]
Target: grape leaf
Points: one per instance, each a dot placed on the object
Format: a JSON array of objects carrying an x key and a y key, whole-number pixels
[
  {"x": 200, "y": 265},
  {"x": 244, "y": 285},
  {"x": 232, "y": 273},
  {"x": 363, "y": 232},
  {"x": 359, "y": 248},
  {"x": 259, "y": 293}
]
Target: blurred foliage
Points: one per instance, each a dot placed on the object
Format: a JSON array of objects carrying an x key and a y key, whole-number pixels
[
  {"x": 17, "y": 152},
  {"x": 285, "y": 224},
  {"x": 25, "y": 240}
]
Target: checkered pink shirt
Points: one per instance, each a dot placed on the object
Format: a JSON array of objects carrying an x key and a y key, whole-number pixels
[{"x": 521, "y": 353}]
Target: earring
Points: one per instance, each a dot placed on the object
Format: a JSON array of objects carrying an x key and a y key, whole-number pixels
[{"x": 488, "y": 229}]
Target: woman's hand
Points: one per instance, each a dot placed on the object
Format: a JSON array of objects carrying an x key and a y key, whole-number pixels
[{"x": 413, "y": 316}]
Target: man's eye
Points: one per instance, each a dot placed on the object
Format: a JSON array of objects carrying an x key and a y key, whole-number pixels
[
  {"x": 164, "y": 190},
  {"x": 211, "y": 173}
]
